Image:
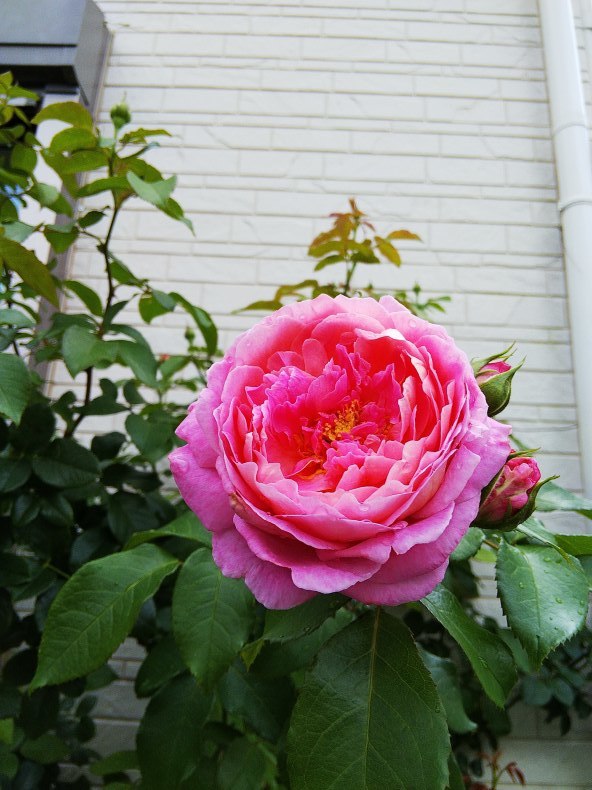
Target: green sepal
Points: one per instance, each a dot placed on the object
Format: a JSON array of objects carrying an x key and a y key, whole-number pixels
[
  {"x": 501, "y": 356},
  {"x": 498, "y": 389}
]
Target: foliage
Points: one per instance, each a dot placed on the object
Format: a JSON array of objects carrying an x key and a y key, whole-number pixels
[
  {"x": 94, "y": 548},
  {"x": 68, "y": 503},
  {"x": 350, "y": 241}
]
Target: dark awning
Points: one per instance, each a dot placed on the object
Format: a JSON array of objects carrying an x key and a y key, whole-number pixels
[{"x": 54, "y": 44}]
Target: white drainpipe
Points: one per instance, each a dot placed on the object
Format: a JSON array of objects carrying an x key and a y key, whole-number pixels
[{"x": 574, "y": 176}]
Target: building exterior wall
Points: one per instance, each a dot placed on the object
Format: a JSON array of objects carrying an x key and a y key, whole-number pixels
[{"x": 434, "y": 114}]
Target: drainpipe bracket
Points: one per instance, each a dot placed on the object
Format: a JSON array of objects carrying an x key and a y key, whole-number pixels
[{"x": 576, "y": 200}]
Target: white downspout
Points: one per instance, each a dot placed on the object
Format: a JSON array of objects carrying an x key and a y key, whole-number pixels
[{"x": 574, "y": 176}]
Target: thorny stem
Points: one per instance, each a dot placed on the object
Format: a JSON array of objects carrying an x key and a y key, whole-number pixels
[
  {"x": 350, "y": 271},
  {"x": 9, "y": 304},
  {"x": 87, "y": 393},
  {"x": 104, "y": 248},
  {"x": 350, "y": 274},
  {"x": 53, "y": 568}
]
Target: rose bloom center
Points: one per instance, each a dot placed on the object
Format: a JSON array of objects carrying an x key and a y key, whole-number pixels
[{"x": 345, "y": 428}]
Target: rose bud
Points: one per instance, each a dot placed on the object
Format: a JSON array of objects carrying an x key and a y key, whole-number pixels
[
  {"x": 120, "y": 115},
  {"x": 495, "y": 381},
  {"x": 494, "y": 376},
  {"x": 511, "y": 499},
  {"x": 491, "y": 369}
]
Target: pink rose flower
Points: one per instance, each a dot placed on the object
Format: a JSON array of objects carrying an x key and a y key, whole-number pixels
[
  {"x": 492, "y": 369},
  {"x": 510, "y": 492},
  {"x": 341, "y": 445}
]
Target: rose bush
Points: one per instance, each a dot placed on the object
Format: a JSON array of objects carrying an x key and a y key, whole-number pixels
[{"x": 341, "y": 445}]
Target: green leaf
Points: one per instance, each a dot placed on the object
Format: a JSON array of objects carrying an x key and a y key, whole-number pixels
[
  {"x": 172, "y": 209},
  {"x": 455, "y": 777},
  {"x": 72, "y": 140},
  {"x": 284, "y": 624},
  {"x": 264, "y": 704},
  {"x": 15, "y": 386},
  {"x": 387, "y": 249},
  {"x": 23, "y": 158},
  {"x": 36, "y": 428},
  {"x": 90, "y": 218},
  {"x": 156, "y": 303},
  {"x": 152, "y": 434},
  {"x": 17, "y": 231},
  {"x": 577, "y": 545},
  {"x": 320, "y": 250},
  {"x": 60, "y": 237},
  {"x": 9, "y": 763},
  {"x": 29, "y": 268},
  {"x": 70, "y": 112},
  {"x": 403, "y": 234},
  {"x": 156, "y": 192},
  {"x": 489, "y": 656},
  {"x": 113, "y": 184},
  {"x": 211, "y": 617},
  {"x": 169, "y": 736},
  {"x": 544, "y": 596},
  {"x": 82, "y": 349},
  {"x": 115, "y": 763},
  {"x": 6, "y": 731},
  {"x": 101, "y": 677},
  {"x": 15, "y": 570},
  {"x": 13, "y": 178},
  {"x": 268, "y": 305},
  {"x": 366, "y": 713},
  {"x": 16, "y": 318},
  {"x": 203, "y": 321},
  {"x": 119, "y": 475},
  {"x": 553, "y": 497},
  {"x": 48, "y": 196},
  {"x": 243, "y": 766},
  {"x": 96, "y": 609},
  {"x": 469, "y": 545},
  {"x": 66, "y": 464},
  {"x": 39, "y": 712},
  {"x": 173, "y": 364},
  {"x": 276, "y": 659},
  {"x": 107, "y": 445},
  {"x": 13, "y": 474},
  {"x": 162, "y": 664},
  {"x": 445, "y": 675},
  {"x": 536, "y": 692},
  {"x": 140, "y": 135},
  {"x": 81, "y": 162},
  {"x": 45, "y": 750},
  {"x": 128, "y": 513},
  {"x": 187, "y": 526},
  {"x": 140, "y": 359}
]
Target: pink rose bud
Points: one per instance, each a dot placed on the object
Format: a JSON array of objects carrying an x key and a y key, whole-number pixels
[
  {"x": 491, "y": 369},
  {"x": 511, "y": 490}
]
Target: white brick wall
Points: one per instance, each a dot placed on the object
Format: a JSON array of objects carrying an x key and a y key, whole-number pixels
[{"x": 433, "y": 113}]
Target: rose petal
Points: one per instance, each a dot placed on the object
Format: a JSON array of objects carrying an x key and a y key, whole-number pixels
[{"x": 201, "y": 489}]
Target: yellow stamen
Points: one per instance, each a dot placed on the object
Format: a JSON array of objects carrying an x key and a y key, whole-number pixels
[{"x": 345, "y": 420}]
